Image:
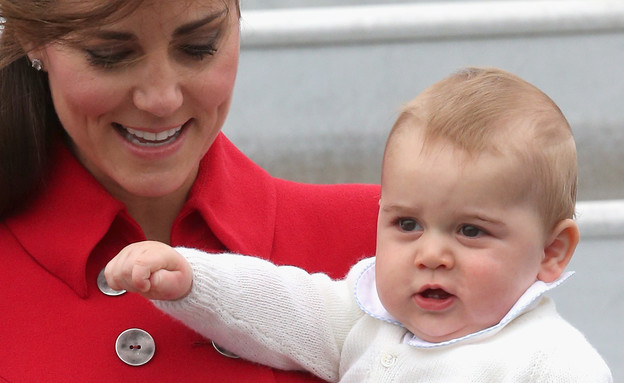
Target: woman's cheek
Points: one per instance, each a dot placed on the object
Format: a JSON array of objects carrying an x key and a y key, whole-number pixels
[
  {"x": 216, "y": 86},
  {"x": 90, "y": 97},
  {"x": 76, "y": 89}
]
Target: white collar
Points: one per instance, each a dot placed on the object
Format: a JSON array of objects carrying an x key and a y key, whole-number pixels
[{"x": 368, "y": 300}]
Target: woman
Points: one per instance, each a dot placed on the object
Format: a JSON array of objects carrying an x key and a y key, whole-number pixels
[{"x": 110, "y": 122}]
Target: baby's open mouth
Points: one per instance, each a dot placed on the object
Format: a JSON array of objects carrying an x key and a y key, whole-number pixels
[
  {"x": 434, "y": 299},
  {"x": 435, "y": 294}
]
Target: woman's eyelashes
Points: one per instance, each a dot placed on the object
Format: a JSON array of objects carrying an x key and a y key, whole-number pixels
[
  {"x": 199, "y": 51},
  {"x": 199, "y": 44},
  {"x": 109, "y": 58}
]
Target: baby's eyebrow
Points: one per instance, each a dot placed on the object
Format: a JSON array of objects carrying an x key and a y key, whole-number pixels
[
  {"x": 404, "y": 209},
  {"x": 488, "y": 220}
]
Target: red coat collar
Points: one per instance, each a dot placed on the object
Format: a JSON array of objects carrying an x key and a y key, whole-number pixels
[
  {"x": 236, "y": 198},
  {"x": 63, "y": 225}
]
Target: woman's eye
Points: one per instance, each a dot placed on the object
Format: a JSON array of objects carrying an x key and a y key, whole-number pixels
[
  {"x": 470, "y": 231},
  {"x": 408, "y": 224},
  {"x": 198, "y": 51},
  {"x": 107, "y": 59}
]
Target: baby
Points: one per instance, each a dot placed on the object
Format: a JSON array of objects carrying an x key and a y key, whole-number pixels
[{"x": 475, "y": 224}]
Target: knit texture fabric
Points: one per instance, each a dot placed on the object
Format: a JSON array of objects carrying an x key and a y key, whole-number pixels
[{"x": 288, "y": 319}]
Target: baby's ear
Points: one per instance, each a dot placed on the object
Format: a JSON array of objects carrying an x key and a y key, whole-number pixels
[{"x": 558, "y": 250}]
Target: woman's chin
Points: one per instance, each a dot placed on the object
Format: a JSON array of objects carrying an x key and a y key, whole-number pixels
[{"x": 154, "y": 186}]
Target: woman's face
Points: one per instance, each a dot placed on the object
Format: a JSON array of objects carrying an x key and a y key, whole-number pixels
[{"x": 144, "y": 98}]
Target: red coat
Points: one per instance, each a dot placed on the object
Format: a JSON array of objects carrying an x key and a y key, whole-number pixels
[{"x": 55, "y": 324}]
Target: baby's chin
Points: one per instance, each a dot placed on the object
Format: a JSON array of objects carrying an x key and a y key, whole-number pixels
[
  {"x": 439, "y": 334},
  {"x": 436, "y": 337}
]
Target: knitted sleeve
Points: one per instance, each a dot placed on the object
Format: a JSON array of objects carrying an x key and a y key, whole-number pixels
[{"x": 279, "y": 316}]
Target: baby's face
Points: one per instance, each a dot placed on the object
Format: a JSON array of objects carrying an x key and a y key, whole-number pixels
[{"x": 454, "y": 249}]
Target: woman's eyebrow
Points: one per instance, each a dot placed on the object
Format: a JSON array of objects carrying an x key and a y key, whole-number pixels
[
  {"x": 182, "y": 30},
  {"x": 187, "y": 28},
  {"x": 113, "y": 35}
]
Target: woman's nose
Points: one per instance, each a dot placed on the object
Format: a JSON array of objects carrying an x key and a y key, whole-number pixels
[
  {"x": 158, "y": 91},
  {"x": 433, "y": 252}
]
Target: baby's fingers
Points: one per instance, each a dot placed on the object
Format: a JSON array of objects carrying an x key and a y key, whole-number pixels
[
  {"x": 130, "y": 269},
  {"x": 170, "y": 284},
  {"x": 122, "y": 275},
  {"x": 151, "y": 269},
  {"x": 140, "y": 279},
  {"x": 113, "y": 275}
]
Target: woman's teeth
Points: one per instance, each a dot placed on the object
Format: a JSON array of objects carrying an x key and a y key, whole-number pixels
[{"x": 143, "y": 138}]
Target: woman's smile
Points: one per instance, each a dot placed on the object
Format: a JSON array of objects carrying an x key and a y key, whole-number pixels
[{"x": 149, "y": 138}]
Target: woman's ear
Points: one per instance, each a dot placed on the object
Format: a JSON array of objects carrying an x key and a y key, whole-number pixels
[
  {"x": 32, "y": 51},
  {"x": 558, "y": 250}
]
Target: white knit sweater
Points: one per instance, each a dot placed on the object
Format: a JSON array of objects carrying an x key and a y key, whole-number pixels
[{"x": 286, "y": 318}]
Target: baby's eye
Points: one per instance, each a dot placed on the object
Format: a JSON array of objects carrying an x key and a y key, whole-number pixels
[
  {"x": 409, "y": 224},
  {"x": 471, "y": 231}
]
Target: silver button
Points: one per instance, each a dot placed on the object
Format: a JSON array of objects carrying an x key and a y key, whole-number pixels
[
  {"x": 388, "y": 360},
  {"x": 135, "y": 347},
  {"x": 105, "y": 288},
  {"x": 224, "y": 352}
]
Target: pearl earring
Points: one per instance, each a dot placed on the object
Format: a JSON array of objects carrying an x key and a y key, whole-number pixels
[{"x": 36, "y": 64}]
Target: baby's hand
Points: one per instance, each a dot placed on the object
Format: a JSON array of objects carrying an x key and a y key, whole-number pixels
[{"x": 152, "y": 269}]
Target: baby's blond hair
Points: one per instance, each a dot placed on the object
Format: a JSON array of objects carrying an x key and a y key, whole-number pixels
[{"x": 488, "y": 110}]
